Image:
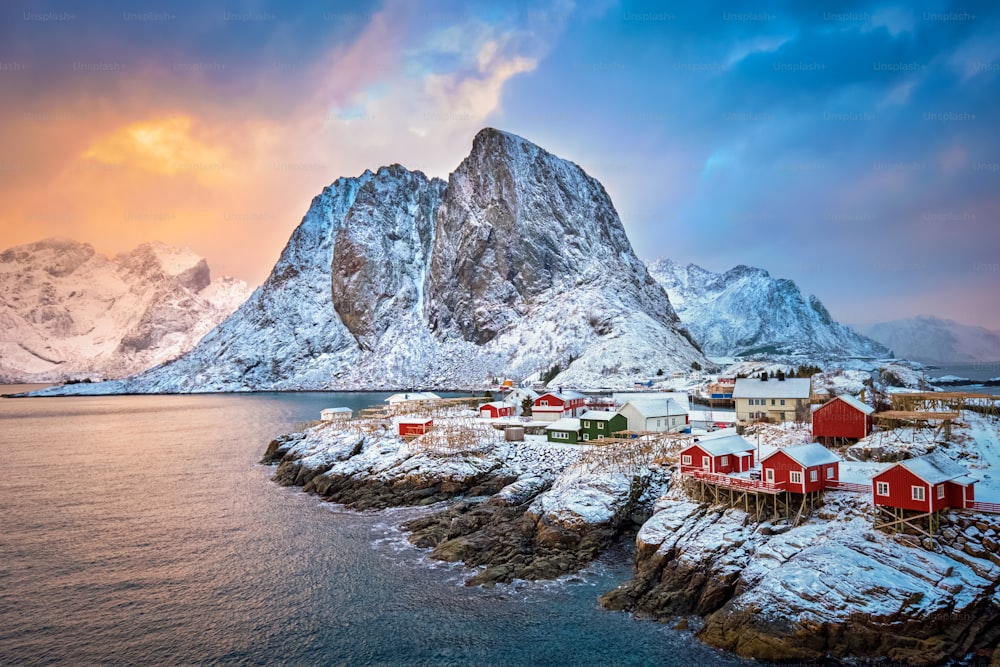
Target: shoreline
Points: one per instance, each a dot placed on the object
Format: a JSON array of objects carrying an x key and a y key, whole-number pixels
[{"x": 696, "y": 566}]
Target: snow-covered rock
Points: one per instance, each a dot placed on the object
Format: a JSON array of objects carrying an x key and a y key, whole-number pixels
[
  {"x": 746, "y": 312},
  {"x": 517, "y": 263},
  {"x": 828, "y": 588},
  {"x": 67, "y": 312}
]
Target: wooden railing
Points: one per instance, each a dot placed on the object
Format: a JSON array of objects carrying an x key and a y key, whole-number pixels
[
  {"x": 989, "y": 508},
  {"x": 737, "y": 482},
  {"x": 837, "y": 485}
]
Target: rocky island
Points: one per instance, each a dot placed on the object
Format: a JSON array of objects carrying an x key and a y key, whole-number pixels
[{"x": 828, "y": 587}]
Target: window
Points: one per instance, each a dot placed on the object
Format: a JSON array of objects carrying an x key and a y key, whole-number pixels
[
  {"x": 600, "y": 437},
  {"x": 882, "y": 488},
  {"x": 829, "y": 472},
  {"x": 813, "y": 475},
  {"x": 657, "y": 423},
  {"x": 705, "y": 462},
  {"x": 586, "y": 436},
  {"x": 725, "y": 461},
  {"x": 600, "y": 426},
  {"x": 772, "y": 401},
  {"x": 940, "y": 491},
  {"x": 782, "y": 401},
  {"x": 917, "y": 492},
  {"x": 686, "y": 460},
  {"x": 543, "y": 404},
  {"x": 795, "y": 477}
]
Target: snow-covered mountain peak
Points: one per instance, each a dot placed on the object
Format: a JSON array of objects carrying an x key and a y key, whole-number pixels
[
  {"x": 744, "y": 311},
  {"x": 59, "y": 256},
  {"x": 518, "y": 263},
  {"x": 68, "y": 312}
]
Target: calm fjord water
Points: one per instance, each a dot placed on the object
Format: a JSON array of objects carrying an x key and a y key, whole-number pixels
[{"x": 140, "y": 530}]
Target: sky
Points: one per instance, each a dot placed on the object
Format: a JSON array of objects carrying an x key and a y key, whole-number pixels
[{"x": 853, "y": 147}]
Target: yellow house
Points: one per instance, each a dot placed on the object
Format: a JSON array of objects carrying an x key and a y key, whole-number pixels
[{"x": 774, "y": 400}]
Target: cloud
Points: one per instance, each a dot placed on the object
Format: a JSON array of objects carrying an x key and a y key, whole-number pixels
[
  {"x": 226, "y": 159},
  {"x": 161, "y": 146}
]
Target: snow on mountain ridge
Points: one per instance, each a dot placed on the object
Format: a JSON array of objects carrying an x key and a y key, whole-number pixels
[
  {"x": 67, "y": 312},
  {"x": 744, "y": 311},
  {"x": 393, "y": 279}
]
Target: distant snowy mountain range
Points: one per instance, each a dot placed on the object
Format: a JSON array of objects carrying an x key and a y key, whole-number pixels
[
  {"x": 934, "y": 340},
  {"x": 68, "y": 313},
  {"x": 746, "y": 312}
]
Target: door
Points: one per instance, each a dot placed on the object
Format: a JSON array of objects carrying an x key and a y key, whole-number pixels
[{"x": 769, "y": 475}]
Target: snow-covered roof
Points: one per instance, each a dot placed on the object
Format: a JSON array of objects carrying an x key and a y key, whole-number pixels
[
  {"x": 598, "y": 415},
  {"x": 414, "y": 420},
  {"x": 807, "y": 455},
  {"x": 567, "y": 395},
  {"x": 656, "y": 407},
  {"x": 729, "y": 444},
  {"x": 335, "y": 410},
  {"x": 497, "y": 404},
  {"x": 856, "y": 404},
  {"x": 524, "y": 392},
  {"x": 413, "y": 396},
  {"x": 680, "y": 397},
  {"x": 564, "y": 424},
  {"x": 934, "y": 468},
  {"x": 773, "y": 388}
]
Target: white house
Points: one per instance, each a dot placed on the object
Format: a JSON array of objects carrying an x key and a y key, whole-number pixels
[
  {"x": 330, "y": 414},
  {"x": 395, "y": 399},
  {"x": 655, "y": 414},
  {"x": 517, "y": 396},
  {"x": 681, "y": 398}
]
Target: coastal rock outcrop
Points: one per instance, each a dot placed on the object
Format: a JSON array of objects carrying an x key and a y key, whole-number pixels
[
  {"x": 517, "y": 511},
  {"x": 824, "y": 589}
]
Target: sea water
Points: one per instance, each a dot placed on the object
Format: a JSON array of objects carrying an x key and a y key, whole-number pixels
[{"x": 141, "y": 530}]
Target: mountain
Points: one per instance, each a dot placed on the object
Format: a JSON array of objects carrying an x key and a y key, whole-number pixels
[
  {"x": 745, "y": 312},
  {"x": 394, "y": 279},
  {"x": 934, "y": 340},
  {"x": 67, "y": 312}
]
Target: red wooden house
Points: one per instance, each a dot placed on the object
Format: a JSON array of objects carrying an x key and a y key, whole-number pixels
[
  {"x": 496, "y": 409},
  {"x": 924, "y": 484},
  {"x": 842, "y": 417},
  {"x": 726, "y": 454},
  {"x": 410, "y": 426},
  {"x": 801, "y": 468},
  {"x": 552, "y": 406}
]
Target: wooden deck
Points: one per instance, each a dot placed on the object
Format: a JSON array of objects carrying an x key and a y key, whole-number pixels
[{"x": 741, "y": 483}]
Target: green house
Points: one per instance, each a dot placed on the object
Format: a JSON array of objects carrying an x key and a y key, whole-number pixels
[
  {"x": 597, "y": 425},
  {"x": 565, "y": 430}
]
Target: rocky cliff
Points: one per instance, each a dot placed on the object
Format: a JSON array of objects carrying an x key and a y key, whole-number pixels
[{"x": 392, "y": 279}]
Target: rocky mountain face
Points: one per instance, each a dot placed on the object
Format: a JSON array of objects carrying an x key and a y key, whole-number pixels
[
  {"x": 67, "y": 312},
  {"x": 745, "y": 312},
  {"x": 393, "y": 279},
  {"x": 935, "y": 340}
]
